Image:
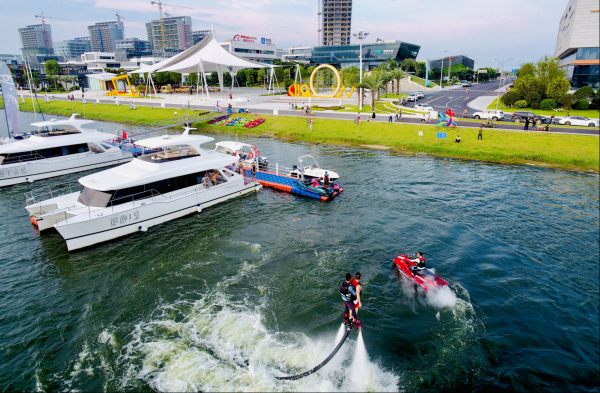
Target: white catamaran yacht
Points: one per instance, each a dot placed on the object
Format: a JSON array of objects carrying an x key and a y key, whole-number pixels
[
  {"x": 242, "y": 150},
  {"x": 57, "y": 147},
  {"x": 175, "y": 179}
]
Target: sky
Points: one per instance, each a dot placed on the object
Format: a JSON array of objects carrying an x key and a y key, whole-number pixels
[{"x": 521, "y": 30}]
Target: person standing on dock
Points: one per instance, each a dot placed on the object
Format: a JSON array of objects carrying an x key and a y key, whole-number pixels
[{"x": 253, "y": 170}]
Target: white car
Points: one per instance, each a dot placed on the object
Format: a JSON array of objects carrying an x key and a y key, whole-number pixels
[
  {"x": 420, "y": 95},
  {"x": 412, "y": 97},
  {"x": 493, "y": 114},
  {"x": 578, "y": 121},
  {"x": 424, "y": 107}
]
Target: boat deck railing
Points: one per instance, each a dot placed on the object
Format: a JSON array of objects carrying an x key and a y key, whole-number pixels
[{"x": 49, "y": 192}]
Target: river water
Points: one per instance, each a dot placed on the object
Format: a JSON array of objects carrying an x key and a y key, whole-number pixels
[{"x": 247, "y": 290}]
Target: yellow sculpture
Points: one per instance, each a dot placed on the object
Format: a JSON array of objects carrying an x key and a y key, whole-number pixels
[
  {"x": 297, "y": 90},
  {"x": 121, "y": 93}
]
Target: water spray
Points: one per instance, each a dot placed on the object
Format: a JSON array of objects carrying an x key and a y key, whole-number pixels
[{"x": 349, "y": 328}]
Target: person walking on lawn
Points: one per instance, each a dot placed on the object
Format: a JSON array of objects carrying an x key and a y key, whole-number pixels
[
  {"x": 526, "y": 124},
  {"x": 480, "y": 134}
]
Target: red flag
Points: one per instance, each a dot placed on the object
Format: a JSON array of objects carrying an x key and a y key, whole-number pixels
[
  {"x": 256, "y": 152},
  {"x": 124, "y": 134}
]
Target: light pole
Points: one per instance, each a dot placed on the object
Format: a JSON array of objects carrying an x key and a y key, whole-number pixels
[
  {"x": 501, "y": 72},
  {"x": 442, "y": 73},
  {"x": 361, "y": 35}
]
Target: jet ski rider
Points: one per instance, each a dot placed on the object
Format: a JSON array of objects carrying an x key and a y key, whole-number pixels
[{"x": 420, "y": 264}]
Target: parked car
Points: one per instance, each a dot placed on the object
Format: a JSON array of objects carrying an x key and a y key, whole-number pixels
[
  {"x": 412, "y": 97},
  {"x": 424, "y": 107},
  {"x": 420, "y": 95},
  {"x": 520, "y": 116},
  {"x": 578, "y": 121},
  {"x": 495, "y": 115}
]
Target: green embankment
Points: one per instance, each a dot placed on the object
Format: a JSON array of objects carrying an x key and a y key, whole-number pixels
[
  {"x": 421, "y": 81},
  {"x": 578, "y": 152},
  {"x": 592, "y": 114}
]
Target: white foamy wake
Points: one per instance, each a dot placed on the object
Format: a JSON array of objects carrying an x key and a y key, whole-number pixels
[
  {"x": 223, "y": 347},
  {"x": 441, "y": 297}
]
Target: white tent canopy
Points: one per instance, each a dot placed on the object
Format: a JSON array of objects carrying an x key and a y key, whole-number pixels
[{"x": 206, "y": 56}]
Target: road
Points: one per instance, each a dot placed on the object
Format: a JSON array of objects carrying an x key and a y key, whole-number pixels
[{"x": 457, "y": 97}]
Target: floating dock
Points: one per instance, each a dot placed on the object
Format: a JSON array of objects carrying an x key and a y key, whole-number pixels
[{"x": 286, "y": 183}]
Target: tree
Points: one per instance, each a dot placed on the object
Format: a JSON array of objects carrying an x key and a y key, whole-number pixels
[
  {"x": 214, "y": 78},
  {"x": 526, "y": 69},
  {"x": 250, "y": 76},
  {"x": 241, "y": 77},
  {"x": 567, "y": 100},
  {"x": 386, "y": 78},
  {"x": 393, "y": 64},
  {"x": 585, "y": 93},
  {"x": 548, "y": 70},
  {"x": 141, "y": 89},
  {"x": 261, "y": 75},
  {"x": 52, "y": 69},
  {"x": 397, "y": 75},
  {"x": 557, "y": 88},
  {"x": 529, "y": 84},
  {"x": 409, "y": 65},
  {"x": 510, "y": 97},
  {"x": 373, "y": 83}
]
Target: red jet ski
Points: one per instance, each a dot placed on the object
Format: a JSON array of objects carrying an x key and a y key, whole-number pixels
[{"x": 425, "y": 279}]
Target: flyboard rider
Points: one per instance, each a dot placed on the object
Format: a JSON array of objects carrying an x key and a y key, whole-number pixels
[{"x": 347, "y": 291}]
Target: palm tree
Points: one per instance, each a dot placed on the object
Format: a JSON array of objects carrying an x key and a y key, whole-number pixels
[
  {"x": 372, "y": 82},
  {"x": 397, "y": 74},
  {"x": 386, "y": 77}
]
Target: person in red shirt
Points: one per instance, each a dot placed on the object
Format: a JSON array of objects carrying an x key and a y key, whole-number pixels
[{"x": 356, "y": 284}]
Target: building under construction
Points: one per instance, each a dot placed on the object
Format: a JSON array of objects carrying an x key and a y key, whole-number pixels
[
  {"x": 104, "y": 35},
  {"x": 178, "y": 35},
  {"x": 336, "y": 22},
  {"x": 36, "y": 41}
]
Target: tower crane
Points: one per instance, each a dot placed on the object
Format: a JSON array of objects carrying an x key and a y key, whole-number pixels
[
  {"x": 119, "y": 17},
  {"x": 160, "y": 4},
  {"x": 43, "y": 17}
]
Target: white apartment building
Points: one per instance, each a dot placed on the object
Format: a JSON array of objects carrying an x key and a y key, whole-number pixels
[{"x": 98, "y": 61}]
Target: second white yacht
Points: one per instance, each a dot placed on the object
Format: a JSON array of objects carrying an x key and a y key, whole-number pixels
[
  {"x": 56, "y": 148},
  {"x": 178, "y": 179}
]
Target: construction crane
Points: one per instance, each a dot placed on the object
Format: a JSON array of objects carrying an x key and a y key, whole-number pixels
[
  {"x": 44, "y": 28},
  {"x": 119, "y": 17},
  {"x": 160, "y": 11}
]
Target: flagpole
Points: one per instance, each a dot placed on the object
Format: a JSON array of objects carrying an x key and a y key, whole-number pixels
[{"x": 10, "y": 138}]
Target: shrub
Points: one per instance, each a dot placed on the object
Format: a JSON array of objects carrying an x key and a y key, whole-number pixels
[
  {"x": 567, "y": 101},
  {"x": 593, "y": 107},
  {"x": 584, "y": 93},
  {"x": 548, "y": 104},
  {"x": 510, "y": 97},
  {"x": 532, "y": 97},
  {"x": 582, "y": 104},
  {"x": 521, "y": 104},
  {"x": 535, "y": 105}
]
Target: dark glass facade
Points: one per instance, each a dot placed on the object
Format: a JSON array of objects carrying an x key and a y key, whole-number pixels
[
  {"x": 582, "y": 75},
  {"x": 373, "y": 54}
]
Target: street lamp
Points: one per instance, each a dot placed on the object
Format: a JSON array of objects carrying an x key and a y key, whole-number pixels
[
  {"x": 501, "y": 72},
  {"x": 442, "y": 73},
  {"x": 360, "y": 36}
]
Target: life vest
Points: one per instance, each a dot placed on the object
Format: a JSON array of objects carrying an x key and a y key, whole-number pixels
[
  {"x": 345, "y": 291},
  {"x": 421, "y": 263},
  {"x": 355, "y": 284}
]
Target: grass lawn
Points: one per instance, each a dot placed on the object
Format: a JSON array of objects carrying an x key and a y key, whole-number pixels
[
  {"x": 421, "y": 81},
  {"x": 578, "y": 152},
  {"x": 573, "y": 112},
  {"x": 108, "y": 112}
]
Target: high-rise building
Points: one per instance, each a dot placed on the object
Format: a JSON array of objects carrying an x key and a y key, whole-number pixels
[
  {"x": 35, "y": 40},
  {"x": 129, "y": 48},
  {"x": 174, "y": 35},
  {"x": 104, "y": 36},
  {"x": 336, "y": 22},
  {"x": 72, "y": 49},
  {"x": 456, "y": 59},
  {"x": 199, "y": 35},
  {"x": 578, "y": 41}
]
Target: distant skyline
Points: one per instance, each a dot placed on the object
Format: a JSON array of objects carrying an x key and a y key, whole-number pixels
[{"x": 523, "y": 30}]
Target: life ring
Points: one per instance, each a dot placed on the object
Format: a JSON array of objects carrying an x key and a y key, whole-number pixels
[{"x": 250, "y": 156}]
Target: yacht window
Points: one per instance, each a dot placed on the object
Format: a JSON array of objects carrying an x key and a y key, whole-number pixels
[
  {"x": 95, "y": 147},
  {"x": 94, "y": 198},
  {"x": 224, "y": 150},
  {"x": 16, "y": 157}
]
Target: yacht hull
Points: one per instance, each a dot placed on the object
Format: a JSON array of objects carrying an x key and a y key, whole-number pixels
[
  {"x": 30, "y": 171},
  {"x": 99, "y": 226}
]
